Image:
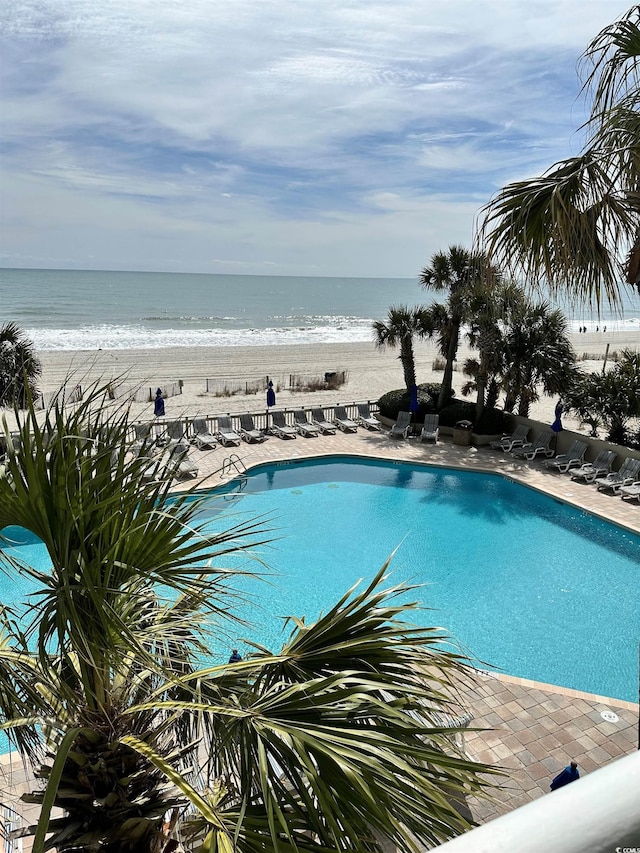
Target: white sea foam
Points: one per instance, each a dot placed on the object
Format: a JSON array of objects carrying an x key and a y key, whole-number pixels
[{"x": 140, "y": 337}]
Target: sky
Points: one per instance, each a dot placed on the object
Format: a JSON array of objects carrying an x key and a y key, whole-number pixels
[{"x": 306, "y": 137}]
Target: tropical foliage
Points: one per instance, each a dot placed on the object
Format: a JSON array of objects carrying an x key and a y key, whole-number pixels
[
  {"x": 19, "y": 367},
  {"x": 523, "y": 348},
  {"x": 576, "y": 226},
  {"x": 611, "y": 398},
  {"x": 467, "y": 277},
  {"x": 403, "y": 324},
  {"x": 143, "y": 737}
]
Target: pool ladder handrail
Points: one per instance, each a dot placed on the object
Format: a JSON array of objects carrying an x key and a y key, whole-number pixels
[{"x": 232, "y": 463}]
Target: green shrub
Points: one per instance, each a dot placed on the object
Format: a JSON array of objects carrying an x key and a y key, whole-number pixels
[
  {"x": 458, "y": 411},
  {"x": 494, "y": 422},
  {"x": 399, "y": 401}
]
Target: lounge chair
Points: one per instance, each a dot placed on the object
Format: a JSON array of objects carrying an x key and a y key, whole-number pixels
[
  {"x": 144, "y": 439},
  {"x": 280, "y": 427},
  {"x": 149, "y": 469},
  {"x": 517, "y": 438},
  {"x": 174, "y": 432},
  {"x": 366, "y": 419},
  {"x": 600, "y": 467},
  {"x": 402, "y": 425},
  {"x": 178, "y": 462},
  {"x": 630, "y": 492},
  {"x": 225, "y": 433},
  {"x": 573, "y": 458},
  {"x": 248, "y": 430},
  {"x": 533, "y": 449},
  {"x": 342, "y": 420},
  {"x": 302, "y": 425},
  {"x": 430, "y": 428},
  {"x": 628, "y": 473},
  {"x": 319, "y": 419},
  {"x": 200, "y": 435}
]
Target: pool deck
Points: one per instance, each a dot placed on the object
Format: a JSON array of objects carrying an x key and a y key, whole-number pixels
[{"x": 532, "y": 730}]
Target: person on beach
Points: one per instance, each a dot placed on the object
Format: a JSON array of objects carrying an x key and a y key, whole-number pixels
[
  {"x": 158, "y": 406},
  {"x": 569, "y": 774}
]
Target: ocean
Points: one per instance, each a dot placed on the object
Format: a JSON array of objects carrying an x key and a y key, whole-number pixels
[{"x": 92, "y": 309}]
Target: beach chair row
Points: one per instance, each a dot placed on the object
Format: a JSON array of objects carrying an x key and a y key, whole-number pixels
[
  {"x": 624, "y": 482},
  {"x": 229, "y": 430}
]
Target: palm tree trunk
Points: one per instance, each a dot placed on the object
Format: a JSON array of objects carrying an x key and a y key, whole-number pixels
[
  {"x": 408, "y": 361},
  {"x": 481, "y": 384},
  {"x": 447, "y": 379}
]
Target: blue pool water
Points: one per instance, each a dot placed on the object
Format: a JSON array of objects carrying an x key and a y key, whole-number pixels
[{"x": 526, "y": 584}]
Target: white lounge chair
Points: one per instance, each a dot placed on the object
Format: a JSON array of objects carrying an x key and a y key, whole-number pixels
[
  {"x": 225, "y": 433},
  {"x": 248, "y": 430},
  {"x": 178, "y": 462},
  {"x": 533, "y": 449},
  {"x": 630, "y": 492},
  {"x": 600, "y": 467},
  {"x": 149, "y": 469},
  {"x": 280, "y": 427},
  {"x": 302, "y": 425},
  {"x": 402, "y": 425},
  {"x": 342, "y": 420},
  {"x": 517, "y": 438},
  {"x": 573, "y": 458},
  {"x": 201, "y": 436},
  {"x": 366, "y": 419},
  {"x": 144, "y": 440},
  {"x": 628, "y": 473},
  {"x": 174, "y": 432},
  {"x": 431, "y": 427},
  {"x": 320, "y": 420}
]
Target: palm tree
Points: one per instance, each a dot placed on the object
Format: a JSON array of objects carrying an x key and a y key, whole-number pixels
[
  {"x": 576, "y": 226},
  {"x": 486, "y": 322},
  {"x": 536, "y": 351},
  {"x": 115, "y": 695},
  {"x": 402, "y": 326},
  {"x": 462, "y": 273},
  {"x": 611, "y": 398},
  {"x": 19, "y": 367}
]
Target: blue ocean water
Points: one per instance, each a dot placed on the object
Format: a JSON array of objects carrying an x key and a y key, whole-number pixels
[
  {"x": 77, "y": 309},
  {"x": 524, "y": 583}
]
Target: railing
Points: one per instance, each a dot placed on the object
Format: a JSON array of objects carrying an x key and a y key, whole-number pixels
[
  {"x": 598, "y": 813},
  {"x": 232, "y": 463}
]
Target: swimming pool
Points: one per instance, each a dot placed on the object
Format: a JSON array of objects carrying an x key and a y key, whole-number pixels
[{"x": 525, "y": 583}]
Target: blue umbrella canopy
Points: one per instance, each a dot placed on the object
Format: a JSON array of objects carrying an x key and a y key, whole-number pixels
[{"x": 271, "y": 395}]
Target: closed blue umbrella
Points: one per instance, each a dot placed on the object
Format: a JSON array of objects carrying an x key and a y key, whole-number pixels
[
  {"x": 271, "y": 395},
  {"x": 413, "y": 403},
  {"x": 556, "y": 426}
]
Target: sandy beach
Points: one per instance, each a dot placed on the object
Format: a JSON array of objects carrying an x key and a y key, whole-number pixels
[{"x": 226, "y": 371}]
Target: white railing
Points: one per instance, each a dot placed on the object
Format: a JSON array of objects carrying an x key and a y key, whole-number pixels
[{"x": 598, "y": 813}]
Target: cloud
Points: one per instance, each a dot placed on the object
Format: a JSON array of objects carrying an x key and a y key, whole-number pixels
[{"x": 343, "y": 138}]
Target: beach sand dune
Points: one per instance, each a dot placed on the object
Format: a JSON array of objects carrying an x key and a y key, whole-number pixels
[{"x": 370, "y": 372}]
